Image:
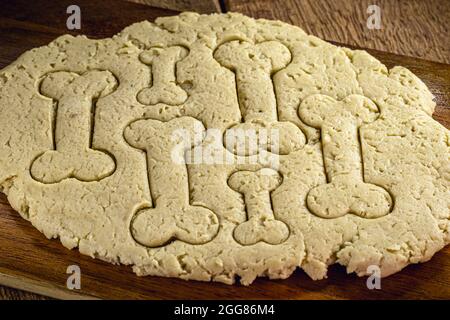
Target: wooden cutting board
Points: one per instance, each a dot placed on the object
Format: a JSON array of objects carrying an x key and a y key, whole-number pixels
[{"x": 30, "y": 261}]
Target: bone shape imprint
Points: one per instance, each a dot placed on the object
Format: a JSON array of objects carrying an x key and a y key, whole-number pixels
[
  {"x": 73, "y": 156},
  {"x": 346, "y": 191},
  {"x": 261, "y": 224},
  {"x": 172, "y": 216},
  {"x": 254, "y": 65},
  {"x": 163, "y": 64}
]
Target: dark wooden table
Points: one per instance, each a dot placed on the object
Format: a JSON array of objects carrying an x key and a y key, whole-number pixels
[{"x": 24, "y": 25}]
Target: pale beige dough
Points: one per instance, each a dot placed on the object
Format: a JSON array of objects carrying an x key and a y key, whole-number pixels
[{"x": 86, "y": 134}]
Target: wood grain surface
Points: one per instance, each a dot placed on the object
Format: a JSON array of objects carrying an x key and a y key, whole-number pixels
[
  {"x": 200, "y": 6},
  {"x": 416, "y": 28},
  {"x": 7, "y": 293},
  {"x": 30, "y": 261}
]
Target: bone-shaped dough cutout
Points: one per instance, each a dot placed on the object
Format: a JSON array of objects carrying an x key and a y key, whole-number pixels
[
  {"x": 164, "y": 87},
  {"x": 346, "y": 191},
  {"x": 254, "y": 65},
  {"x": 74, "y": 157},
  {"x": 261, "y": 224},
  {"x": 172, "y": 216}
]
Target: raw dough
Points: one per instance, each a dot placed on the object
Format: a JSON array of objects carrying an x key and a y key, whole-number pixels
[{"x": 93, "y": 150}]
